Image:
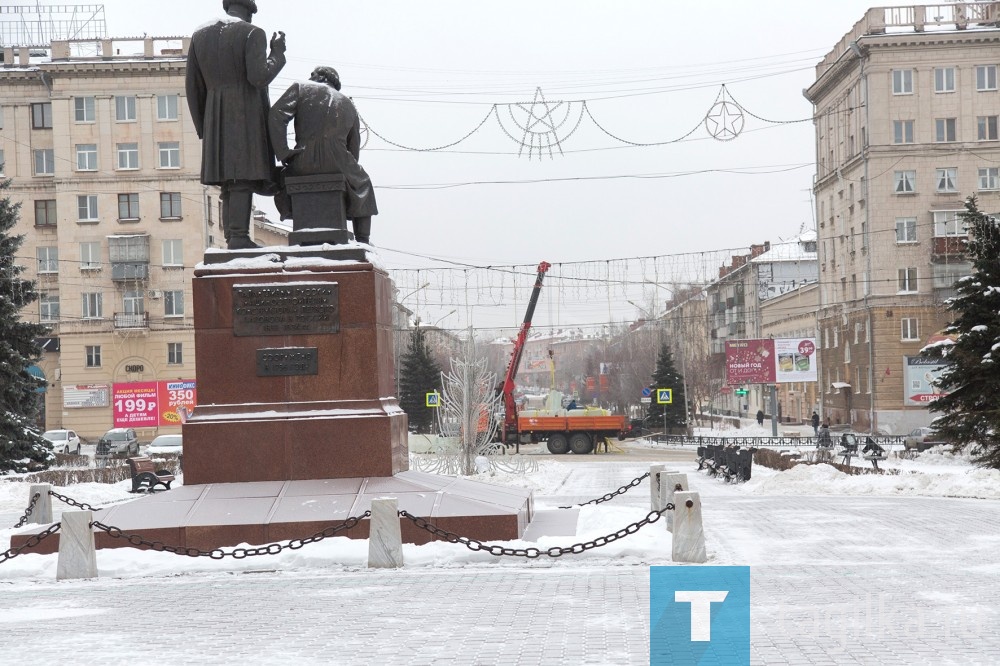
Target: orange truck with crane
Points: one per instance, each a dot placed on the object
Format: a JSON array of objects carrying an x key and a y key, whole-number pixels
[{"x": 562, "y": 430}]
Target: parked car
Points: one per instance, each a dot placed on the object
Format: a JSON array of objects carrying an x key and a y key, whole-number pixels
[
  {"x": 922, "y": 439},
  {"x": 63, "y": 441},
  {"x": 166, "y": 444},
  {"x": 118, "y": 441}
]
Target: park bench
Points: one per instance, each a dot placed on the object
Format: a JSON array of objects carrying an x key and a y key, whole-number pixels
[
  {"x": 146, "y": 477},
  {"x": 731, "y": 462},
  {"x": 873, "y": 452}
]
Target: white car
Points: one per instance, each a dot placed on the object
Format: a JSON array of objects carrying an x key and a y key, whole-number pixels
[
  {"x": 166, "y": 444},
  {"x": 63, "y": 441}
]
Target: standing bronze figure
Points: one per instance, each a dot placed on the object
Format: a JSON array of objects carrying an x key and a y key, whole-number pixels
[
  {"x": 228, "y": 71},
  {"x": 327, "y": 143}
]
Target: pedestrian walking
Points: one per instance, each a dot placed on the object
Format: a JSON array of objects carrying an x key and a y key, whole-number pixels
[
  {"x": 815, "y": 424},
  {"x": 760, "y": 417}
]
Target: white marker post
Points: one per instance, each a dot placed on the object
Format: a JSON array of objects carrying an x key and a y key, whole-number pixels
[
  {"x": 688, "y": 543},
  {"x": 77, "y": 553},
  {"x": 385, "y": 541}
]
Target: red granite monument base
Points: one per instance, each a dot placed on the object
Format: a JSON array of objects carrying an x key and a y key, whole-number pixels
[{"x": 297, "y": 427}]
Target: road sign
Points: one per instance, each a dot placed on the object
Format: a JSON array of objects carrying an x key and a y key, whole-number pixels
[
  {"x": 646, "y": 400},
  {"x": 646, "y": 392},
  {"x": 726, "y": 389},
  {"x": 664, "y": 396},
  {"x": 433, "y": 399}
]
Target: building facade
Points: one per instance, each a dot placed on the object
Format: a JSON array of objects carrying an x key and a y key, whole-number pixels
[
  {"x": 105, "y": 162},
  {"x": 906, "y": 111}
]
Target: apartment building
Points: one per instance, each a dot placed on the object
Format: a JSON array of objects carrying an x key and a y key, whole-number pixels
[
  {"x": 907, "y": 118},
  {"x": 105, "y": 162}
]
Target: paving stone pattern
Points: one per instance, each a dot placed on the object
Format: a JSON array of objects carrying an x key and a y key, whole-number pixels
[{"x": 828, "y": 587}]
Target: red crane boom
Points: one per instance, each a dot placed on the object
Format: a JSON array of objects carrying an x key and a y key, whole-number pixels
[{"x": 510, "y": 408}]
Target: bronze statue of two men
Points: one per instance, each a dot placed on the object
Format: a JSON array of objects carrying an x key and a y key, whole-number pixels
[{"x": 228, "y": 73}]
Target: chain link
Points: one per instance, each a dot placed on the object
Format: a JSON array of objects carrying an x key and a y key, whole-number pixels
[
  {"x": 621, "y": 491},
  {"x": 27, "y": 512},
  {"x": 73, "y": 502},
  {"x": 532, "y": 553},
  {"x": 236, "y": 553},
  {"x": 32, "y": 541}
]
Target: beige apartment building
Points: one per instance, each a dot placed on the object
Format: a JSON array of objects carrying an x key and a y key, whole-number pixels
[
  {"x": 105, "y": 162},
  {"x": 907, "y": 116}
]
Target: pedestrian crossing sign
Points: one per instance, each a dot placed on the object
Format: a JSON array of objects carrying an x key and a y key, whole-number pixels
[
  {"x": 433, "y": 399},
  {"x": 664, "y": 396}
]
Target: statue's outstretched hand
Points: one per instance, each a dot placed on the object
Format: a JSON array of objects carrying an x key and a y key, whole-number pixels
[{"x": 278, "y": 42}]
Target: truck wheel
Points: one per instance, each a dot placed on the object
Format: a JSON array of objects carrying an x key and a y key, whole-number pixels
[
  {"x": 580, "y": 443},
  {"x": 557, "y": 444}
]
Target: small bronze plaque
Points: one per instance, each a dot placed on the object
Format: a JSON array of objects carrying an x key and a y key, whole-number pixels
[
  {"x": 291, "y": 308},
  {"x": 287, "y": 361}
]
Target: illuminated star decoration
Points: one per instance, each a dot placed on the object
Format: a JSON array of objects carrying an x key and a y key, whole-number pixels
[
  {"x": 724, "y": 121},
  {"x": 539, "y": 125}
]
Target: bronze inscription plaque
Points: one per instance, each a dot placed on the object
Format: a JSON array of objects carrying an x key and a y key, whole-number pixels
[
  {"x": 287, "y": 361},
  {"x": 291, "y": 308}
]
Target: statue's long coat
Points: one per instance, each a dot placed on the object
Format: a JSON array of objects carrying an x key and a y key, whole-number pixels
[
  {"x": 328, "y": 131},
  {"x": 228, "y": 71}
]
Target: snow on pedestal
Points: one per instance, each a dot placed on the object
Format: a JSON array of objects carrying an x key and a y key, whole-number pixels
[
  {"x": 42, "y": 513},
  {"x": 385, "y": 542},
  {"x": 77, "y": 553},
  {"x": 689, "y": 536},
  {"x": 670, "y": 485}
]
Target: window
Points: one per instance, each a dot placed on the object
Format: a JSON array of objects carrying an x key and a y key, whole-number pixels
[
  {"x": 836, "y": 337},
  {"x": 907, "y": 280},
  {"x": 90, "y": 255},
  {"x": 93, "y": 356},
  {"x": 989, "y": 178},
  {"x": 45, "y": 213},
  {"x": 986, "y": 77},
  {"x": 857, "y": 379},
  {"x": 170, "y": 155},
  {"x": 857, "y": 332},
  {"x": 944, "y": 130},
  {"x": 173, "y": 303},
  {"x": 902, "y": 82},
  {"x": 83, "y": 108},
  {"x": 128, "y": 206},
  {"x": 908, "y": 328},
  {"x": 48, "y": 259},
  {"x": 1, "y": 162},
  {"x": 906, "y": 230},
  {"x": 166, "y": 107},
  {"x": 93, "y": 306},
  {"x": 41, "y": 115},
  {"x": 902, "y": 131},
  {"x": 133, "y": 302},
  {"x": 175, "y": 353},
  {"x": 45, "y": 162},
  {"x": 847, "y": 352},
  {"x": 86, "y": 157},
  {"x": 125, "y": 108},
  {"x": 948, "y": 223},
  {"x": 86, "y": 205},
  {"x": 947, "y": 179},
  {"x": 986, "y": 128},
  {"x": 128, "y": 156},
  {"x": 906, "y": 182},
  {"x": 868, "y": 331},
  {"x": 173, "y": 253},
  {"x": 944, "y": 79},
  {"x": 170, "y": 205},
  {"x": 48, "y": 307}
]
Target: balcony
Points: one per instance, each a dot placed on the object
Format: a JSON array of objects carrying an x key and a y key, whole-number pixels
[
  {"x": 124, "y": 272},
  {"x": 948, "y": 249},
  {"x": 131, "y": 320}
]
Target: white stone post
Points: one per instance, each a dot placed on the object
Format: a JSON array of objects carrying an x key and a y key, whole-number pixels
[
  {"x": 77, "y": 554},
  {"x": 385, "y": 541},
  {"x": 670, "y": 484},
  {"x": 42, "y": 513},
  {"x": 654, "y": 486},
  {"x": 689, "y": 536}
]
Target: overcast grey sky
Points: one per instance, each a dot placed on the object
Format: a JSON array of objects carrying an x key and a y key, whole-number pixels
[{"x": 425, "y": 74}]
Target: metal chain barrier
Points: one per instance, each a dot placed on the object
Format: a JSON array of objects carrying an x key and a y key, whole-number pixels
[
  {"x": 73, "y": 502},
  {"x": 621, "y": 491},
  {"x": 30, "y": 543},
  {"x": 237, "y": 553},
  {"x": 27, "y": 512},
  {"x": 532, "y": 553}
]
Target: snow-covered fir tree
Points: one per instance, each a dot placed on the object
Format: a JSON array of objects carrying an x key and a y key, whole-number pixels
[
  {"x": 419, "y": 375},
  {"x": 666, "y": 376},
  {"x": 22, "y": 448},
  {"x": 970, "y": 408}
]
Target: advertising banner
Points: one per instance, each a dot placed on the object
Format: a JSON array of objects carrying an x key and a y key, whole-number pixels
[
  {"x": 918, "y": 373},
  {"x": 86, "y": 395},
  {"x": 771, "y": 361},
  {"x": 153, "y": 404}
]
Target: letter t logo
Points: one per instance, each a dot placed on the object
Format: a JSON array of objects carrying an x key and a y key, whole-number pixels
[{"x": 701, "y": 610}]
